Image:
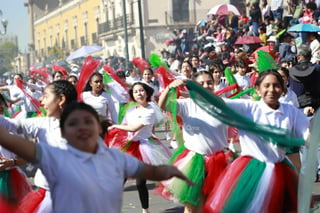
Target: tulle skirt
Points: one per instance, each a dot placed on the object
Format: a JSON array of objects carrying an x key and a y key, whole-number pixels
[
  {"x": 203, "y": 170},
  {"x": 150, "y": 150},
  {"x": 249, "y": 185},
  {"x": 36, "y": 201},
  {"x": 14, "y": 185}
]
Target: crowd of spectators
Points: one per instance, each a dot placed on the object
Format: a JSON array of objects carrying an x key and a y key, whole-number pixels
[{"x": 214, "y": 39}]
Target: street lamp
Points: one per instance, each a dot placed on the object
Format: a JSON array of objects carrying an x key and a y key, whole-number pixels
[{"x": 4, "y": 24}]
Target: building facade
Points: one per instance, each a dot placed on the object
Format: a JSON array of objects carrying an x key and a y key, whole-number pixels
[{"x": 70, "y": 24}]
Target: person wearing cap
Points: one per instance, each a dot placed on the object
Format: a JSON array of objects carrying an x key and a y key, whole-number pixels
[
  {"x": 305, "y": 78},
  {"x": 272, "y": 40}
]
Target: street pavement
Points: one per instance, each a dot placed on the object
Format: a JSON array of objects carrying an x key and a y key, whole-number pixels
[{"x": 157, "y": 204}]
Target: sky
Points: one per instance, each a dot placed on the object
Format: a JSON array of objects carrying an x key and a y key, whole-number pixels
[{"x": 18, "y": 22}]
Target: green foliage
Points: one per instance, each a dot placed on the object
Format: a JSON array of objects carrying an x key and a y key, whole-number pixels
[
  {"x": 8, "y": 52},
  {"x": 56, "y": 52}
]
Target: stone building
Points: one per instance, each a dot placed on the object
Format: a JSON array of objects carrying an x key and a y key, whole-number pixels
[{"x": 70, "y": 24}]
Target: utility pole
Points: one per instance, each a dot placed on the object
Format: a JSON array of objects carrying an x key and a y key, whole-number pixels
[
  {"x": 31, "y": 45},
  {"x": 143, "y": 54},
  {"x": 125, "y": 31}
]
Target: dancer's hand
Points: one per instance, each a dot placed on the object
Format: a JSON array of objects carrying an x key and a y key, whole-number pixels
[
  {"x": 176, "y": 83},
  {"x": 6, "y": 163},
  {"x": 174, "y": 172}
]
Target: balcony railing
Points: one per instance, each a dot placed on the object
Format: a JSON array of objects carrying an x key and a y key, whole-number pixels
[
  {"x": 115, "y": 24},
  {"x": 176, "y": 17}
]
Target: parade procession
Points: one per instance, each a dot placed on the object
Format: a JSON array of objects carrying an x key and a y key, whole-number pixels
[{"x": 130, "y": 106}]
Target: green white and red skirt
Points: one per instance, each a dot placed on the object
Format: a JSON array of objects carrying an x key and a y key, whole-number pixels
[
  {"x": 250, "y": 185},
  {"x": 14, "y": 185},
  {"x": 203, "y": 170},
  {"x": 34, "y": 200},
  {"x": 150, "y": 150}
]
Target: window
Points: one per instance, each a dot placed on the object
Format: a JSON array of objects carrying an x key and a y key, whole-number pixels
[
  {"x": 180, "y": 11},
  {"x": 94, "y": 38},
  {"x": 82, "y": 40},
  {"x": 72, "y": 44}
]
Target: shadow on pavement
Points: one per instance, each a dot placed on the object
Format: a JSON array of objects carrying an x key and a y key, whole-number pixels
[{"x": 174, "y": 210}]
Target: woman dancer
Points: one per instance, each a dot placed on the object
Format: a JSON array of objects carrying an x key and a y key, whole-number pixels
[
  {"x": 95, "y": 96},
  {"x": 203, "y": 156},
  {"x": 139, "y": 141},
  {"x": 147, "y": 76},
  {"x": 45, "y": 130},
  {"x": 261, "y": 179},
  {"x": 92, "y": 180}
]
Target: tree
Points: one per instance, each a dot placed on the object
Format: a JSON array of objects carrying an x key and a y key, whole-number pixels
[
  {"x": 55, "y": 51},
  {"x": 8, "y": 52}
]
